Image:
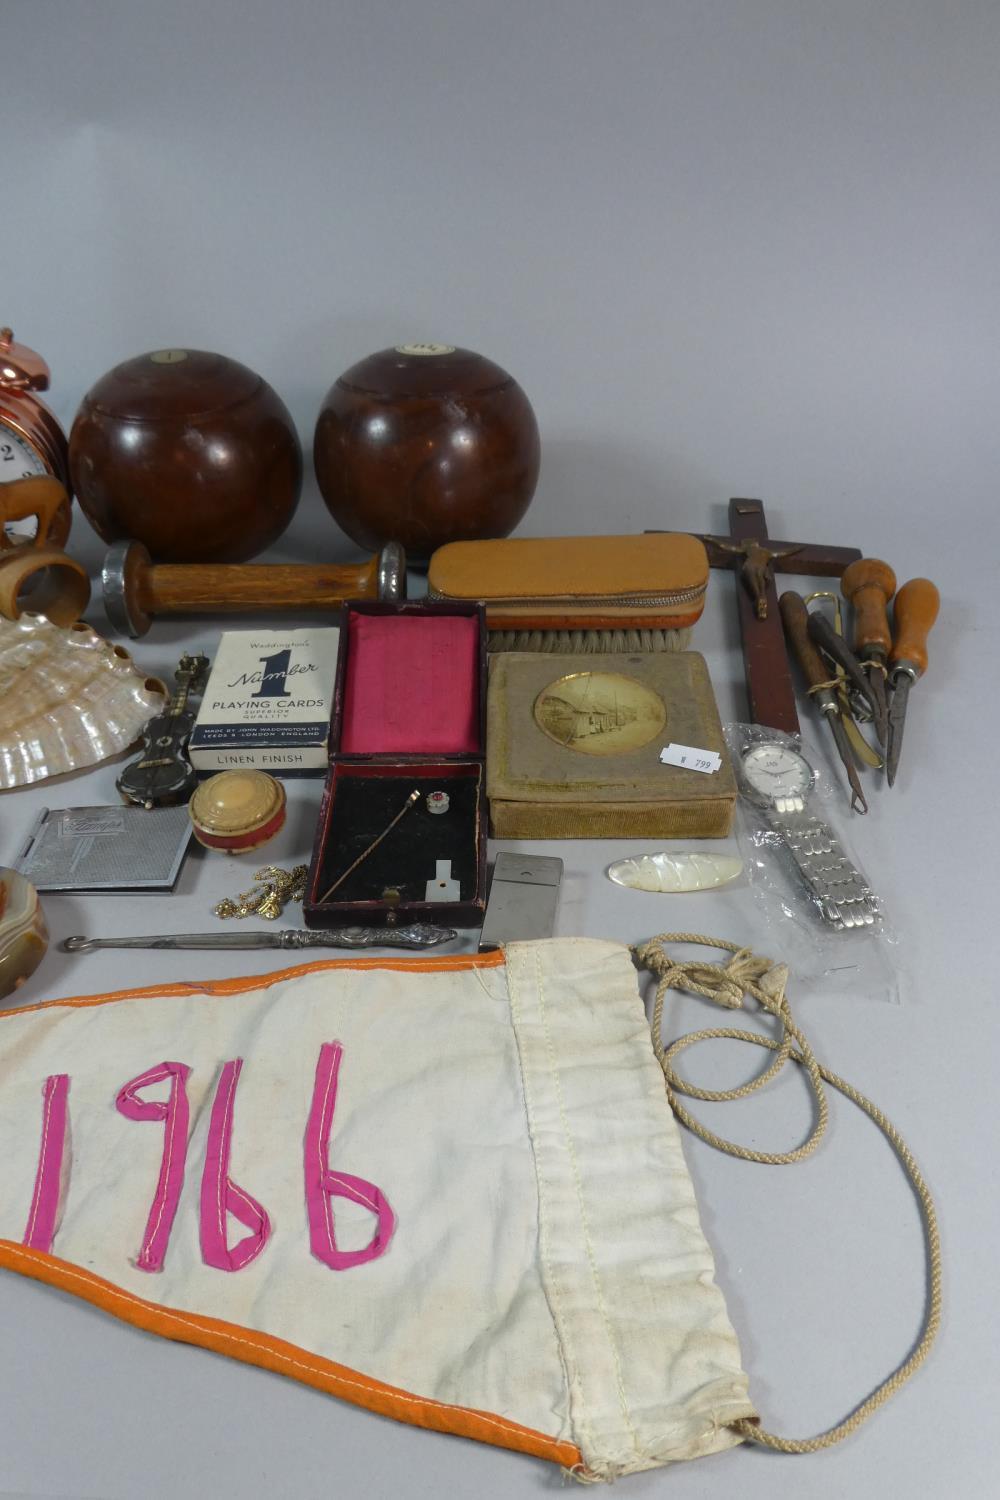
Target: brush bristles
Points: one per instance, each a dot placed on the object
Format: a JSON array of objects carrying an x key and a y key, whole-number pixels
[{"x": 588, "y": 642}]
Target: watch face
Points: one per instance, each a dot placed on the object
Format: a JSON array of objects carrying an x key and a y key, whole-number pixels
[{"x": 777, "y": 773}]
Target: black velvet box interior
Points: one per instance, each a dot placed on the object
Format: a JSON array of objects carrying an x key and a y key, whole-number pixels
[{"x": 408, "y": 716}]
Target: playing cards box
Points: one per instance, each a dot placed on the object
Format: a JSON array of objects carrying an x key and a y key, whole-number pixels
[{"x": 267, "y": 703}]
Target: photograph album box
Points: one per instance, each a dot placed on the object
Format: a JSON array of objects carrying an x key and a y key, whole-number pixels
[
  {"x": 574, "y": 747},
  {"x": 266, "y": 706}
]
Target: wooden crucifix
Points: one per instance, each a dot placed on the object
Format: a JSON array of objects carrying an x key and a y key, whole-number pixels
[{"x": 749, "y": 550}]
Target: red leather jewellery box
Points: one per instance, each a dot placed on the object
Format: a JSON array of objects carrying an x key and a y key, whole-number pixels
[{"x": 404, "y": 807}]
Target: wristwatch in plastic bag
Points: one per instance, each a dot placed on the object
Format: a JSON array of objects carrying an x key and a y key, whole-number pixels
[{"x": 778, "y": 780}]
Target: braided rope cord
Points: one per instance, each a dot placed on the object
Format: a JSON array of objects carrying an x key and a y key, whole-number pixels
[{"x": 726, "y": 984}]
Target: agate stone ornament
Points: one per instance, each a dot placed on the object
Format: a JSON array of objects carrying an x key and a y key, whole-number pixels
[{"x": 24, "y": 936}]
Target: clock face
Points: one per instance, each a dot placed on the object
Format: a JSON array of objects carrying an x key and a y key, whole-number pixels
[
  {"x": 19, "y": 459},
  {"x": 777, "y": 772}
]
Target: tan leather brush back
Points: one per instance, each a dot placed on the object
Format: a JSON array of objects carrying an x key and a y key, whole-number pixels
[{"x": 656, "y": 580}]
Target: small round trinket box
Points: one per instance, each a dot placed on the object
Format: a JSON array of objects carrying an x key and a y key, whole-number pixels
[{"x": 237, "y": 810}]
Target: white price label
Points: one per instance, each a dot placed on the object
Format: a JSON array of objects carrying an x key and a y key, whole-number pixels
[{"x": 691, "y": 758}]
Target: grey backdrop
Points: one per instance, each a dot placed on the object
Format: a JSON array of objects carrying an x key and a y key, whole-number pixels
[{"x": 728, "y": 248}]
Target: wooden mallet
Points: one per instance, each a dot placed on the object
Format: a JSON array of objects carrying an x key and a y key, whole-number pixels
[{"x": 136, "y": 588}]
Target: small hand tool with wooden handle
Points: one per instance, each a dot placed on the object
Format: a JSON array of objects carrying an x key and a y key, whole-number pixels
[
  {"x": 795, "y": 617},
  {"x": 136, "y": 588},
  {"x": 823, "y": 635},
  {"x": 914, "y": 613},
  {"x": 869, "y": 584}
]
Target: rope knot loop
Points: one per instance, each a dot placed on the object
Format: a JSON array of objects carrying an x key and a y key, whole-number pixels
[{"x": 725, "y": 984}]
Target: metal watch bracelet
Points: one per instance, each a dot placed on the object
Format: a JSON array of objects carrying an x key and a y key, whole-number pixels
[{"x": 843, "y": 896}]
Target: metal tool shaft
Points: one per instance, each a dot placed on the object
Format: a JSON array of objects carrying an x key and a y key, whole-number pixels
[
  {"x": 859, "y": 802},
  {"x": 417, "y": 935},
  {"x": 901, "y": 684},
  {"x": 874, "y": 669}
]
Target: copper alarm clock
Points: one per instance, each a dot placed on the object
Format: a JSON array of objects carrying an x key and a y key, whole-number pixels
[{"x": 31, "y": 440}]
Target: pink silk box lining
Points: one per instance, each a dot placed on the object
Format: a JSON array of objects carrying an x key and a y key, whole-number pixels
[{"x": 412, "y": 685}]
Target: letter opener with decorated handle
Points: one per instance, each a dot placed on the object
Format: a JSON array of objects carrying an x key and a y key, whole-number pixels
[{"x": 418, "y": 935}]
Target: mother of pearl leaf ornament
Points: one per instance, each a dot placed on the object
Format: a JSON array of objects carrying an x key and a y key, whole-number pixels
[{"x": 675, "y": 872}]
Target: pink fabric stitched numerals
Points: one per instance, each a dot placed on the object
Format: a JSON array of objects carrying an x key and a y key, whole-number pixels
[
  {"x": 174, "y": 1114},
  {"x": 323, "y": 1184},
  {"x": 220, "y": 1195},
  {"x": 45, "y": 1202}
]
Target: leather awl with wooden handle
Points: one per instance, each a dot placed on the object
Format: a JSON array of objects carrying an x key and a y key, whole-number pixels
[{"x": 136, "y": 588}]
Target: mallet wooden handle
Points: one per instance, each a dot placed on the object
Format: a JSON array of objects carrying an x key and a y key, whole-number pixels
[
  {"x": 795, "y": 617},
  {"x": 915, "y": 611},
  {"x": 230, "y": 588},
  {"x": 136, "y": 589},
  {"x": 869, "y": 585}
]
